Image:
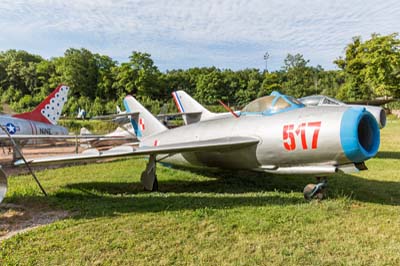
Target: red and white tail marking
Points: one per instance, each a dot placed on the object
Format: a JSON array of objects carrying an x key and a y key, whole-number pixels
[
  {"x": 178, "y": 104},
  {"x": 49, "y": 110},
  {"x": 141, "y": 124},
  {"x": 156, "y": 143}
]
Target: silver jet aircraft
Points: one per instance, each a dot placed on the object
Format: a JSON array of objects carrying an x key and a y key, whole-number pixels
[
  {"x": 42, "y": 120},
  {"x": 322, "y": 100},
  {"x": 192, "y": 111},
  {"x": 38, "y": 125},
  {"x": 274, "y": 134}
]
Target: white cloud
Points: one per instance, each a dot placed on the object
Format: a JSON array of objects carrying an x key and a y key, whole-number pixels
[{"x": 226, "y": 33}]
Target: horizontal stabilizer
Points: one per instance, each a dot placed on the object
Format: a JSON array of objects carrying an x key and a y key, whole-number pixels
[{"x": 111, "y": 117}]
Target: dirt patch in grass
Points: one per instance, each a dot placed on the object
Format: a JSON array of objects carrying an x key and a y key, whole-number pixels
[{"x": 16, "y": 219}]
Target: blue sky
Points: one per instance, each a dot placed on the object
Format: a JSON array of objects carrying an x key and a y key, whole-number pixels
[{"x": 231, "y": 34}]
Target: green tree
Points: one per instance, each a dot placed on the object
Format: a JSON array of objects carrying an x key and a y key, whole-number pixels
[
  {"x": 105, "y": 77},
  {"x": 78, "y": 68},
  {"x": 18, "y": 69},
  {"x": 371, "y": 67},
  {"x": 147, "y": 75},
  {"x": 299, "y": 79},
  {"x": 271, "y": 82},
  {"x": 249, "y": 84},
  {"x": 139, "y": 77},
  {"x": 207, "y": 87}
]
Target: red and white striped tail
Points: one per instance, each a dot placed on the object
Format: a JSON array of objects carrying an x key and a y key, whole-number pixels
[{"x": 48, "y": 111}]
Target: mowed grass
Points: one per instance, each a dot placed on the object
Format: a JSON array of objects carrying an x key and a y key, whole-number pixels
[{"x": 212, "y": 218}]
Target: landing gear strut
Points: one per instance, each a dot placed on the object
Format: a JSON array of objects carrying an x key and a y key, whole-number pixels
[
  {"x": 148, "y": 177},
  {"x": 3, "y": 184},
  {"x": 317, "y": 191}
]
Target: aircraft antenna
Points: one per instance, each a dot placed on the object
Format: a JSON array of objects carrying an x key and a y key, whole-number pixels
[{"x": 228, "y": 109}]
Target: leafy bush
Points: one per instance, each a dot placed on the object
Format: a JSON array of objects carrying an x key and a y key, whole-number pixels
[{"x": 96, "y": 127}]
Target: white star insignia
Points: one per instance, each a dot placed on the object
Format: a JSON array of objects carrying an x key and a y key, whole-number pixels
[{"x": 10, "y": 128}]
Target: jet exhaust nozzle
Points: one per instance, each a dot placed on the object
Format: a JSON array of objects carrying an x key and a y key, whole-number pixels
[
  {"x": 382, "y": 118},
  {"x": 359, "y": 134}
]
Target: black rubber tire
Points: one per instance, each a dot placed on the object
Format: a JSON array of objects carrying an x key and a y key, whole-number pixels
[{"x": 155, "y": 185}]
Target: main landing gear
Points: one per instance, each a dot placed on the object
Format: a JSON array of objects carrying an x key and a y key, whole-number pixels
[
  {"x": 317, "y": 191},
  {"x": 3, "y": 184},
  {"x": 148, "y": 177}
]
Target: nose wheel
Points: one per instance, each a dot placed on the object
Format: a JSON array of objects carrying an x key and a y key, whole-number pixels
[{"x": 316, "y": 191}]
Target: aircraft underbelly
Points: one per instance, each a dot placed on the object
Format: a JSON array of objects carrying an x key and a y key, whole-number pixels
[{"x": 239, "y": 159}]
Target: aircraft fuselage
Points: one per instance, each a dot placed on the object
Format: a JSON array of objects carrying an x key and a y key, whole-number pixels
[
  {"x": 17, "y": 126},
  {"x": 309, "y": 136}
]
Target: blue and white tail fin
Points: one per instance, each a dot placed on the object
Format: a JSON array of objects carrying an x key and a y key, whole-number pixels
[
  {"x": 187, "y": 104},
  {"x": 144, "y": 124}
]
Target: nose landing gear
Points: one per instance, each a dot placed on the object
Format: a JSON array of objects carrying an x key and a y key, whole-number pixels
[{"x": 317, "y": 191}]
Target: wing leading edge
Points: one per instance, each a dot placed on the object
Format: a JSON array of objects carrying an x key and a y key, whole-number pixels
[
  {"x": 220, "y": 144},
  {"x": 61, "y": 137}
]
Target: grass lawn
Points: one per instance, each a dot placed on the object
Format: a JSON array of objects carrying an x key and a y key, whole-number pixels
[{"x": 217, "y": 218}]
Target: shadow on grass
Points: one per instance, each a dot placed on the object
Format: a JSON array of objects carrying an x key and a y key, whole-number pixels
[
  {"x": 94, "y": 206},
  {"x": 218, "y": 182},
  {"x": 224, "y": 189},
  {"x": 388, "y": 155}
]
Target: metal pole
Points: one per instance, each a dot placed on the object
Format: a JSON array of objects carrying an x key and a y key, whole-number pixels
[
  {"x": 23, "y": 158},
  {"x": 76, "y": 144},
  {"x": 266, "y": 57}
]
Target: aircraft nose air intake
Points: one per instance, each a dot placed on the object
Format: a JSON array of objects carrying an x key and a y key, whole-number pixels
[{"x": 359, "y": 134}]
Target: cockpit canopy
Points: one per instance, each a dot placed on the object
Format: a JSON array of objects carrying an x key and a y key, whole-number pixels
[
  {"x": 317, "y": 100},
  {"x": 272, "y": 104}
]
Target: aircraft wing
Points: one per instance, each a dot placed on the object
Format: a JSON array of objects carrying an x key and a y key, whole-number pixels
[
  {"x": 220, "y": 144},
  {"x": 375, "y": 102},
  {"x": 61, "y": 137}
]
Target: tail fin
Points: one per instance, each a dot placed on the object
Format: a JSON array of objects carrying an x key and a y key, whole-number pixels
[
  {"x": 144, "y": 124},
  {"x": 118, "y": 110},
  {"x": 187, "y": 104},
  {"x": 49, "y": 110}
]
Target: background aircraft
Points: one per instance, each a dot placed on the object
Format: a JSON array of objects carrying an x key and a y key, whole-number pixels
[
  {"x": 192, "y": 111},
  {"x": 42, "y": 120},
  {"x": 322, "y": 100},
  {"x": 37, "y": 125},
  {"x": 124, "y": 134},
  {"x": 186, "y": 103},
  {"x": 274, "y": 134},
  {"x": 40, "y": 125}
]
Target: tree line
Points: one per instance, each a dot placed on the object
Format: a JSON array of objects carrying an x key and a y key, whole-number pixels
[{"x": 98, "y": 83}]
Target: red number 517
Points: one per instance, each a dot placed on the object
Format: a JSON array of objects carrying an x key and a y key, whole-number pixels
[{"x": 290, "y": 133}]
